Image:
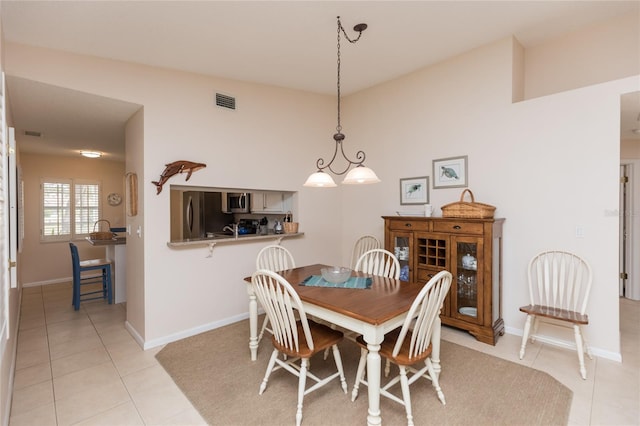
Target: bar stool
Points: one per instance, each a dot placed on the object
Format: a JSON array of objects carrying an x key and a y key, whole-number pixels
[{"x": 100, "y": 273}]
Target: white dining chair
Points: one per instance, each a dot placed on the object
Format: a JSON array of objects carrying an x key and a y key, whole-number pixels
[
  {"x": 410, "y": 344},
  {"x": 559, "y": 287},
  {"x": 379, "y": 262},
  {"x": 273, "y": 258},
  {"x": 295, "y": 336},
  {"x": 363, "y": 245}
]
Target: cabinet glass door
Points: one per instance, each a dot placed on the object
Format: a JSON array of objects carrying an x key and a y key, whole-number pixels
[
  {"x": 402, "y": 250},
  {"x": 468, "y": 279}
]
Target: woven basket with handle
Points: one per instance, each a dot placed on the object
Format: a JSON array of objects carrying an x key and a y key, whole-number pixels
[
  {"x": 101, "y": 235},
  {"x": 290, "y": 227},
  {"x": 466, "y": 209}
]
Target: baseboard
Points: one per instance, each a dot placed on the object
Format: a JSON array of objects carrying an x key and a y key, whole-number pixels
[
  {"x": 47, "y": 282},
  {"x": 568, "y": 344},
  {"x": 12, "y": 369},
  {"x": 192, "y": 332}
]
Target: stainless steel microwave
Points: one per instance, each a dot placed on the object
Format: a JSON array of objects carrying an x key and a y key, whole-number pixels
[{"x": 238, "y": 202}]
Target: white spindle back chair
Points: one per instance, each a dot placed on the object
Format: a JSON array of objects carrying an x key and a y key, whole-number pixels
[
  {"x": 379, "y": 262},
  {"x": 273, "y": 258},
  {"x": 559, "y": 287},
  {"x": 363, "y": 245},
  {"x": 411, "y": 344},
  {"x": 294, "y": 335}
]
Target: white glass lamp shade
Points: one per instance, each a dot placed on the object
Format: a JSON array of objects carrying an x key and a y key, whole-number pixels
[
  {"x": 360, "y": 175},
  {"x": 91, "y": 154},
  {"x": 320, "y": 179}
]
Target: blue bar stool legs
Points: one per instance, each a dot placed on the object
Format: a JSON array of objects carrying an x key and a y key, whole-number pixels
[{"x": 99, "y": 273}]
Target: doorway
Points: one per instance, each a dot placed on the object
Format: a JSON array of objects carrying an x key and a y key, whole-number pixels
[{"x": 629, "y": 281}]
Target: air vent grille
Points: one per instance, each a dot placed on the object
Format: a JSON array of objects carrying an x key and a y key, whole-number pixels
[
  {"x": 32, "y": 133},
  {"x": 224, "y": 101}
]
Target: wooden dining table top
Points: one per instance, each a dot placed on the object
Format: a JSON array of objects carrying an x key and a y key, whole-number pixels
[{"x": 386, "y": 299}]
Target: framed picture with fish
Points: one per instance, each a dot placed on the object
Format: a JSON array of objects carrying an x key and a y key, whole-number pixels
[
  {"x": 414, "y": 190},
  {"x": 450, "y": 172}
]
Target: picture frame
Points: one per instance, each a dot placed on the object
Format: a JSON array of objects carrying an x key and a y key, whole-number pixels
[
  {"x": 450, "y": 172},
  {"x": 414, "y": 190}
]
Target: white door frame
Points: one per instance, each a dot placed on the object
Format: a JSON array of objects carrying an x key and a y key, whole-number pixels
[{"x": 632, "y": 216}]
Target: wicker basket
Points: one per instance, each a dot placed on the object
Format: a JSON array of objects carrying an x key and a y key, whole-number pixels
[
  {"x": 470, "y": 210},
  {"x": 101, "y": 235},
  {"x": 289, "y": 227}
]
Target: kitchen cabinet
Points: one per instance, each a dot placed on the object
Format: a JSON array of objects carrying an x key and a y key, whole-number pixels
[
  {"x": 471, "y": 249},
  {"x": 270, "y": 202}
]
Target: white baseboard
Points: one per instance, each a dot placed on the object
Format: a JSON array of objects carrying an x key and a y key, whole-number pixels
[
  {"x": 185, "y": 333},
  {"x": 47, "y": 282},
  {"x": 568, "y": 344}
]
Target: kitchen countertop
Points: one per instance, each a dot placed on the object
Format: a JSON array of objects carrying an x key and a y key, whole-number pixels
[
  {"x": 112, "y": 242},
  {"x": 220, "y": 239}
]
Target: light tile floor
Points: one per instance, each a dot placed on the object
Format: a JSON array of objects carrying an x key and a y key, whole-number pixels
[{"x": 84, "y": 368}]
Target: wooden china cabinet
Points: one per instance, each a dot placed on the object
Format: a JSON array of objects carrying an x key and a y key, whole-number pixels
[{"x": 471, "y": 249}]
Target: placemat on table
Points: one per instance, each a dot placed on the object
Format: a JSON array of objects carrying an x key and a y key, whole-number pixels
[{"x": 352, "y": 282}]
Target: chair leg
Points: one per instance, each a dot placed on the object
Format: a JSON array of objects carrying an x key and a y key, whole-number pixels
[
  {"x": 360, "y": 374},
  {"x": 338, "y": 359},
  {"x": 406, "y": 395},
  {"x": 109, "y": 285},
  {"x": 525, "y": 335},
  {"x": 302, "y": 382},
  {"x": 435, "y": 381},
  {"x": 265, "y": 323},
  {"x": 580, "y": 349},
  {"x": 387, "y": 368},
  {"x": 272, "y": 363}
]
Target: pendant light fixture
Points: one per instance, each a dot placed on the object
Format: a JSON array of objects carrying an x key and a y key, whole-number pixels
[{"x": 359, "y": 174}]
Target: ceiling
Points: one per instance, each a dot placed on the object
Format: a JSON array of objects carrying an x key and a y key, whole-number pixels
[{"x": 288, "y": 43}]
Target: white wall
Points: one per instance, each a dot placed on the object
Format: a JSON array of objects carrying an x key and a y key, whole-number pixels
[{"x": 546, "y": 170}]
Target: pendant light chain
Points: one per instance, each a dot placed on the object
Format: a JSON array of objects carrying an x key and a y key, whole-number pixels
[
  {"x": 341, "y": 29},
  {"x": 359, "y": 174}
]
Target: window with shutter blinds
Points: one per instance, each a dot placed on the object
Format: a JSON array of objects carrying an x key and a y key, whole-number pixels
[{"x": 69, "y": 209}]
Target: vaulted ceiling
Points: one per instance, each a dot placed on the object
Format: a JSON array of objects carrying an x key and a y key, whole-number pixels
[{"x": 284, "y": 43}]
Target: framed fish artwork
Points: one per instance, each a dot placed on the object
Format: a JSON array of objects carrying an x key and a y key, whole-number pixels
[
  {"x": 414, "y": 190},
  {"x": 450, "y": 172}
]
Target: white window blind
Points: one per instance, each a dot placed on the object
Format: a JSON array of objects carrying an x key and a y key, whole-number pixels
[{"x": 69, "y": 209}]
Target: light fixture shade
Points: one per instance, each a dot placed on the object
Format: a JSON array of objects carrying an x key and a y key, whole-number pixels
[
  {"x": 320, "y": 179},
  {"x": 91, "y": 154},
  {"x": 360, "y": 175}
]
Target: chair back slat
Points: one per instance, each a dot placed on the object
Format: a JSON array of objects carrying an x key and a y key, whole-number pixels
[
  {"x": 280, "y": 303},
  {"x": 425, "y": 309},
  {"x": 379, "y": 262},
  {"x": 275, "y": 258},
  {"x": 363, "y": 245},
  {"x": 560, "y": 280}
]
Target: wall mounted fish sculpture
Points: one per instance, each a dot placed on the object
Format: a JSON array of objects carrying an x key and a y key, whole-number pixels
[{"x": 176, "y": 167}]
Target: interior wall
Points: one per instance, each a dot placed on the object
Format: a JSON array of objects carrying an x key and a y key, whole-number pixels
[
  {"x": 271, "y": 141},
  {"x": 134, "y": 154},
  {"x": 602, "y": 52},
  {"x": 522, "y": 158},
  {"x": 53, "y": 258}
]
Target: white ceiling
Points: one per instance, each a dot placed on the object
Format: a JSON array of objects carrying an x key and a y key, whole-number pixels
[{"x": 289, "y": 44}]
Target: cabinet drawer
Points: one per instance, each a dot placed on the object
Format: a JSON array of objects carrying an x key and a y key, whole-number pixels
[
  {"x": 458, "y": 227},
  {"x": 425, "y": 275},
  {"x": 408, "y": 225}
]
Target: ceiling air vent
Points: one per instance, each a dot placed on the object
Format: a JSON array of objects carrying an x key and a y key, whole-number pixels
[
  {"x": 32, "y": 133},
  {"x": 224, "y": 101}
]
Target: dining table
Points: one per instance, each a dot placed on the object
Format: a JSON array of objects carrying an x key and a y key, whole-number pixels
[{"x": 371, "y": 312}]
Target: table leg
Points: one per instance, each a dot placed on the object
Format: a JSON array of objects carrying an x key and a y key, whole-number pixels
[
  {"x": 253, "y": 324},
  {"x": 373, "y": 378},
  {"x": 435, "y": 348}
]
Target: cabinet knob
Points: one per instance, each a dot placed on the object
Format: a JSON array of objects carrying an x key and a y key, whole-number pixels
[
  {"x": 456, "y": 226},
  {"x": 408, "y": 225}
]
